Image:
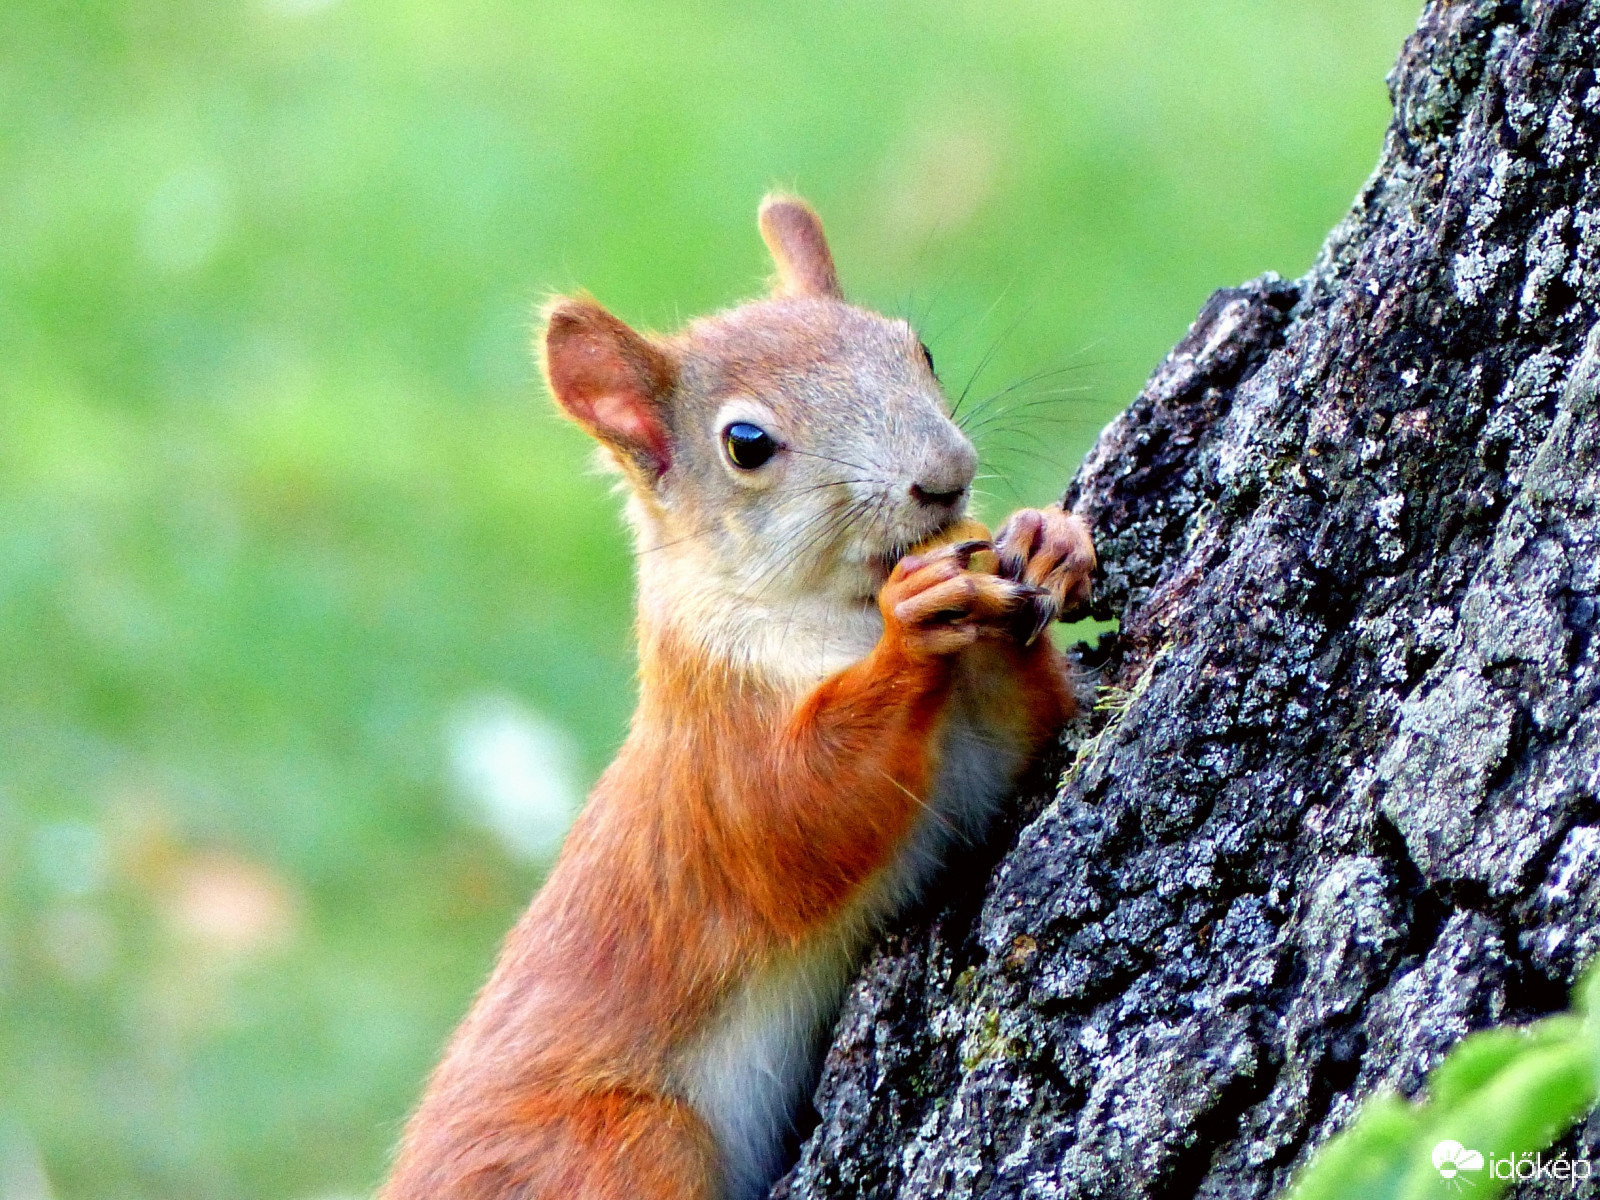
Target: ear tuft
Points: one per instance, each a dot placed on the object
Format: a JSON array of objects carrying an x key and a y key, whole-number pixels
[
  {"x": 613, "y": 382},
  {"x": 793, "y": 233}
]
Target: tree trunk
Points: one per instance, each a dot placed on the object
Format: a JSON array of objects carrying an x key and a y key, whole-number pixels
[{"x": 1339, "y": 805}]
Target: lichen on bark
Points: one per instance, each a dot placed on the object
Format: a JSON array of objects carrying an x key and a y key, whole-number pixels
[{"x": 1346, "y": 807}]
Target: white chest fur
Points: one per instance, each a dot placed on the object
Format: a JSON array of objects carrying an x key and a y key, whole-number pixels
[
  {"x": 753, "y": 1066},
  {"x": 750, "y": 1071}
]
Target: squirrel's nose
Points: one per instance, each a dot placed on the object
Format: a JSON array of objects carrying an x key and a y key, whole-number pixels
[
  {"x": 944, "y": 471},
  {"x": 936, "y": 499}
]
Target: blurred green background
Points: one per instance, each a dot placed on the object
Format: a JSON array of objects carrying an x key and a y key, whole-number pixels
[{"x": 313, "y": 624}]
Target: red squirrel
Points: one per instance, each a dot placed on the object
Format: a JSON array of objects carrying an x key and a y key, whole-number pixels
[{"x": 829, "y": 690}]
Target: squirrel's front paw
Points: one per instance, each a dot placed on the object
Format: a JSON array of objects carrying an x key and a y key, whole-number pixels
[
  {"x": 943, "y": 600},
  {"x": 1053, "y": 551}
]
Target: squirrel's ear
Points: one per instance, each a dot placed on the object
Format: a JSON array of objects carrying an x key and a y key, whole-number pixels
[
  {"x": 793, "y": 232},
  {"x": 611, "y": 381}
]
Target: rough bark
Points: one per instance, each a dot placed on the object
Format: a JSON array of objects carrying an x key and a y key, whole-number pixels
[{"x": 1338, "y": 806}]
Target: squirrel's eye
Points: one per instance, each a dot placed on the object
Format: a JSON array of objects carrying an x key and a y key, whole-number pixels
[
  {"x": 748, "y": 446},
  {"x": 927, "y": 357}
]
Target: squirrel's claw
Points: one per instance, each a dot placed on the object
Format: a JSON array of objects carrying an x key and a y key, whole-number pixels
[
  {"x": 1034, "y": 615},
  {"x": 1053, "y": 551}
]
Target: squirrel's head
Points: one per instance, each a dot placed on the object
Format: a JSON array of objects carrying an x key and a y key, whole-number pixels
[{"x": 794, "y": 446}]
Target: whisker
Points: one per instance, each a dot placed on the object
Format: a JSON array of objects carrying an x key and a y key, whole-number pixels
[
  {"x": 938, "y": 291},
  {"x": 949, "y": 825},
  {"x": 1023, "y": 418},
  {"x": 1012, "y": 488},
  {"x": 1051, "y": 395},
  {"x": 843, "y": 462},
  {"x": 1055, "y": 464},
  {"x": 787, "y": 491},
  {"x": 988, "y": 357},
  {"x": 1024, "y": 425},
  {"x": 980, "y": 406},
  {"x": 843, "y": 532},
  {"x": 822, "y": 527}
]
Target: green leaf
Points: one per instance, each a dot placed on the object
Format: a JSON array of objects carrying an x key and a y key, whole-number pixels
[
  {"x": 1499, "y": 1094},
  {"x": 1525, "y": 1108},
  {"x": 1369, "y": 1159},
  {"x": 1473, "y": 1063}
]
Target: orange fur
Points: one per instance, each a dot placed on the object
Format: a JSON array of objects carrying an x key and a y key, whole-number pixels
[
  {"x": 733, "y": 824},
  {"x": 760, "y": 814}
]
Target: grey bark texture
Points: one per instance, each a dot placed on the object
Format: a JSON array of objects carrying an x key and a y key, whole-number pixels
[{"x": 1340, "y": 802}]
